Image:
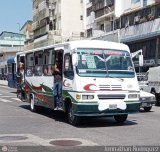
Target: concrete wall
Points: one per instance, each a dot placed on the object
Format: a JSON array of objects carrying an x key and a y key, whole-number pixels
[{"x": 71, "y": 10}]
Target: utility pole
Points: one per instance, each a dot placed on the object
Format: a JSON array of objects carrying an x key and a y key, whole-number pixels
[
  {"x": 157, "y": 50},
  {"x": 19, "y": 27}
]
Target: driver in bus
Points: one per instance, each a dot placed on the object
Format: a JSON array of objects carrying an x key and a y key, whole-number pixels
[{"x": 57, "y": 87}]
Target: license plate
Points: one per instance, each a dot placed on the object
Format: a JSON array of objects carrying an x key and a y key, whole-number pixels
[{"x": 113, "y": 106}]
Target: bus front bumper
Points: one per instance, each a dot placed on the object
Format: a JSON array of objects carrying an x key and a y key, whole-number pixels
[{"x": 85, "y": 109}]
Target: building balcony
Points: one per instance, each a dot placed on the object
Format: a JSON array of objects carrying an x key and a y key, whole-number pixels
[
  {"x": 140, "y": 31},
  {"x": 104, "y": 17},
  {"x": 104, "y": 13},
  {"x": 157, "y": 1},
  {"x": 55, "y": 32}
]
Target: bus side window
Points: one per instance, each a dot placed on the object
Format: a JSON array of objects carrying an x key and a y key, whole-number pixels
[
  {"x": 48, "y": 60},
  {"x": 38, "y": 62},
  {"x": 29, "y": 64},
  {"x": 68, "y": 68}
]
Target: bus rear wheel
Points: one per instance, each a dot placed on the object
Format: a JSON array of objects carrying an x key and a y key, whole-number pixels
[
  {"x": 72, "y": 119},
  {"x": 120, "y": 118}
]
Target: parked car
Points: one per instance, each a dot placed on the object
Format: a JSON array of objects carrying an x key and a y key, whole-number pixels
[{"x": 147, "y": 100}]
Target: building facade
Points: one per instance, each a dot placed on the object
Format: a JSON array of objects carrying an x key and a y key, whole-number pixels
[
  {"x": 100, "y": 16},
  {"x": 26, "y": 29},
  {"x": 56, "y": 21},
  {"x": 10, "y": 44},
  {"x": 140, "y": 29},
  {"x": 138, "y": 26}
]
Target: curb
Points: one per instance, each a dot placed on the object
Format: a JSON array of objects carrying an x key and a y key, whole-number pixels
[{"x": 3, "y": 83}]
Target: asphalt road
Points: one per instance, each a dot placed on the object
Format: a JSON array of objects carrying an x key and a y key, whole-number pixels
[{"x": 20, "y": 127}]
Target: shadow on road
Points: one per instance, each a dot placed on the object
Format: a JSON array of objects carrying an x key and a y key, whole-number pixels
[
  {"x": 56, "y": 115},
  {"x": 14, "y": 92},
  {"x": 104, "y": 122},
  {"x": 143, "y": 111},
  {"x": 86, "y": 122}
]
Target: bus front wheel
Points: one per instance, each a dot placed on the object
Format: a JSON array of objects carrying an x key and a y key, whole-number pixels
[
  {"x": 72, "y": 119},
  {"x": 33, "y": 107},
  {"x": 120, "y": 118}
]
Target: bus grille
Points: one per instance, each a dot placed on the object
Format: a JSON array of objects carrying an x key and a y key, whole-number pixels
[
  {"x": 111, "y": 96},
  {"x": 110, "y": 87}
]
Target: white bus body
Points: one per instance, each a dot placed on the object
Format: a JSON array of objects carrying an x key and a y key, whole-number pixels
[{"x": 98, "y": 79}]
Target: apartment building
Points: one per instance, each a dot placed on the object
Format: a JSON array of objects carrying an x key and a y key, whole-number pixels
[
  {"x": 138, "y": 26},
  {"x": 100, "y": 19},
  {"x": 140, "y": 29},
  {"x": 26, "y": 29},
  {"x": 56, "y": 21},
  {"x": 10, "y": 44}
]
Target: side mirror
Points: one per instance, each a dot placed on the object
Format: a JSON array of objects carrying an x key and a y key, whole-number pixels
[
  {"x": 140, "y": 60},
  {"x": 75, "y": 59}
]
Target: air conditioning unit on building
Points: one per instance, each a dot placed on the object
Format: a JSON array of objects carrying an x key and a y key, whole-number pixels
[
  {"x": 127, "y": 24},
  {"x": 136, "y": 19}
]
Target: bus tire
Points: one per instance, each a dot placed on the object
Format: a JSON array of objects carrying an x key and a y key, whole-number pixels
[
  {"x": 33, "y": 107},
  {"x": 147, "y": 109},
  {"x": 72, "y": 119},
  {"x": 121, "y": 118}
]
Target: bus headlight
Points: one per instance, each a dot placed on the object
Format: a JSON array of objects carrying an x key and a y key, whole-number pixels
[
  {"x": 78, "y": 96},
  {"x": 132, "y": 96},
  {"x": 152, "y": 98},
  {"x": 87, "y": 97}
]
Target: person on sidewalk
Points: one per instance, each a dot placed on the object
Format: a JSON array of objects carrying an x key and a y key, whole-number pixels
[{"x": 57, "y": 86}]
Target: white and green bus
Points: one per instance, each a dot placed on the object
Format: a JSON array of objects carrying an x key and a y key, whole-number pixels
[{"x": 99, "y": 79}]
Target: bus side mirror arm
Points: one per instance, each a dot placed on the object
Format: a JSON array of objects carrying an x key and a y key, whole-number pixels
[{"x": 74, "y": 59}]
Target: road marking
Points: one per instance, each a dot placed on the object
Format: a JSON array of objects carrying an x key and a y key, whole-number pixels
[
  {"x": 4, "y": 100},
  {"x": 8, "y": 92},
  {"x": 7, "y": 96},
  {"x": 16, "y": 99},
  {"x": 31, "y": 140}
]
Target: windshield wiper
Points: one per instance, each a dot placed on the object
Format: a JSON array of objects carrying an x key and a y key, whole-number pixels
[{"x": 120, "y": 79}]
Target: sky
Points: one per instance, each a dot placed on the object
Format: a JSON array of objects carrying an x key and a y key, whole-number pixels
[{"x": 14, "y": 14}]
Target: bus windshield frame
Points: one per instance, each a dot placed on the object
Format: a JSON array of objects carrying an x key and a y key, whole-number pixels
[{"x": 104, "y": 63}]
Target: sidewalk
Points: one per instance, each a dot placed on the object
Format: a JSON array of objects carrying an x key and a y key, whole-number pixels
[{"x": 3, "y": 82}]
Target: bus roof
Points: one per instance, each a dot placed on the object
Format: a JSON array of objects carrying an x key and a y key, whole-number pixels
[
  {"x": 99, "y": 44},
  {"x": 96, "y": 44}
]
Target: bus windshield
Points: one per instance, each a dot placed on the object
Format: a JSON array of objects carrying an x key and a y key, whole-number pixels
[{"x": 104, "y": 63}]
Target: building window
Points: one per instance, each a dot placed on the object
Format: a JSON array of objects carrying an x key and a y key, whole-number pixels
[
  {"x": 89, "y": 32},
  {"x": 102, "y": 27},
  {"x": 89, "y": 10},
  {"x": 81, "y": 17},
  {"x": 144, "y": 3},
  {"x": 54, "y": 24}
]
